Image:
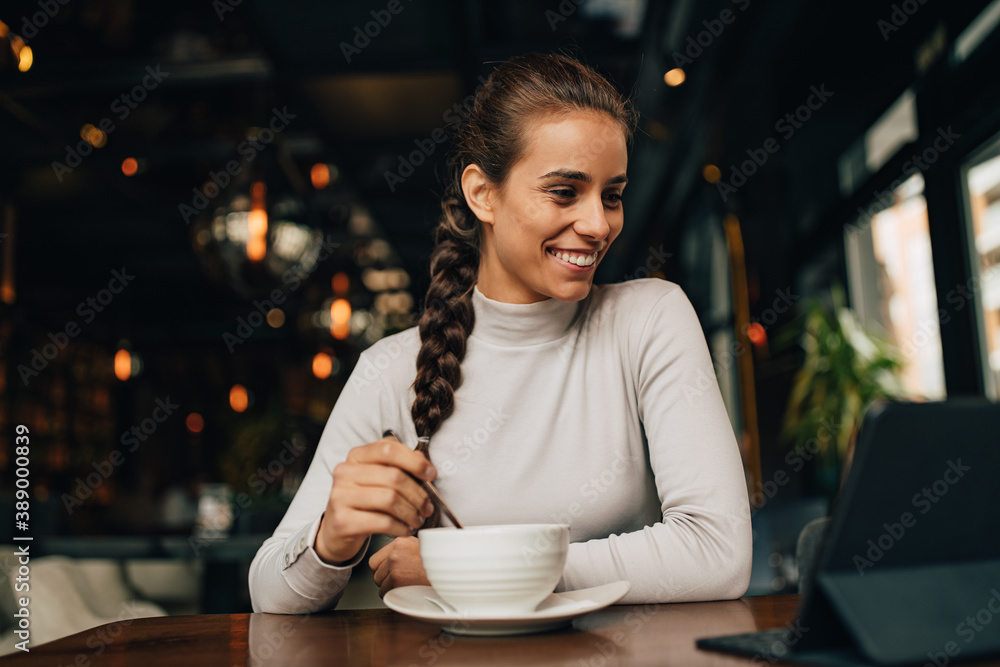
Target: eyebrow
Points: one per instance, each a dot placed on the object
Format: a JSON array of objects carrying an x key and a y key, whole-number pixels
[{"x": 581, "y": 176}]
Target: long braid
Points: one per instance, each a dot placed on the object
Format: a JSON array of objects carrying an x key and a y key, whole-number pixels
[{"x": 446, "y": 323}]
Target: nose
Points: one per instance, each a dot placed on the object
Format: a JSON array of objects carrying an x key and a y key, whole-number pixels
[{"x": 593, "y": 219}]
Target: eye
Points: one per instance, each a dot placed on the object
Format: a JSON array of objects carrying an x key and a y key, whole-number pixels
[
  {"x": 613, "y": 198},
  {"x": 563, "y": 192}
]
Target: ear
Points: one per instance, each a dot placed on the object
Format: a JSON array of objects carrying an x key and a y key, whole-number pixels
[{"x": 478, "y": 193}]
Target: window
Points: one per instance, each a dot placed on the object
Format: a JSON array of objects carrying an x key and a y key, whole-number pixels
[
  {"x": 982, "y": 193},
  {"x": 891, "y": 281}
]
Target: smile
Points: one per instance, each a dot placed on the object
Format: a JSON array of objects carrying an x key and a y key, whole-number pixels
[{"x": 575, "y": 258}]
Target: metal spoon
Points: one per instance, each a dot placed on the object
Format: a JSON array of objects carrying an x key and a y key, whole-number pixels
[{"x": 428, "y": 487}]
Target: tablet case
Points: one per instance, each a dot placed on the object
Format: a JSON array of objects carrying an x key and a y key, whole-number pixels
[{"x": 913, "y": 549}]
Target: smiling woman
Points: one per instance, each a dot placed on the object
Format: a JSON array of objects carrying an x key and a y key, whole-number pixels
[{"x": 548, "y": 399}]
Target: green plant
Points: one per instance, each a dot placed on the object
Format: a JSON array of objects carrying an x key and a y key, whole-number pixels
[{"x": 845, "y": 368}]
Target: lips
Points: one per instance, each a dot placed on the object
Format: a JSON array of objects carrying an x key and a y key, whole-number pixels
[{"x": 580, "y": 259}]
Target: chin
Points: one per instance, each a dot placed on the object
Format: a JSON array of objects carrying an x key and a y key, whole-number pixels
[{"x": 571, "y": 290}]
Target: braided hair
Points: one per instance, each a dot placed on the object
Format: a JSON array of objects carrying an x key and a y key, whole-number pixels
[{"x": 493, "y": 137}]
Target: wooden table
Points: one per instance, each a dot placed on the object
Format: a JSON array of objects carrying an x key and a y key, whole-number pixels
[
  {"x": 617, "y": 635},
  {"x": 612, "y": 637}
]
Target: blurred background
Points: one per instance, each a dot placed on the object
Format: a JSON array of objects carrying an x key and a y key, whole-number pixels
[{"x": 207, "y": 210}]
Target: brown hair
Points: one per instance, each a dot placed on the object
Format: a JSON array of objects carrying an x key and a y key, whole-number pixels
[{"x": 492, "y": 137}]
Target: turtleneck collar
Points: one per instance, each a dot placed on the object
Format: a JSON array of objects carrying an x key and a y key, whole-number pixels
[{"x": 522, "y": 324}]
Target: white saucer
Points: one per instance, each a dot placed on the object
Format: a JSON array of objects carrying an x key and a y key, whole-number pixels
[{"x": 554, "y": 611}]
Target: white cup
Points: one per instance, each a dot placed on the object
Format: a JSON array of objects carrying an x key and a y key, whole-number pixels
[{"x": 495, "y": 570}]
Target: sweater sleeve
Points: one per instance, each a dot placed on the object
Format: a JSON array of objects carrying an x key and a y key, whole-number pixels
[
  {"x": 287, "y": 576},
  {"x": 702, "y": 548}
]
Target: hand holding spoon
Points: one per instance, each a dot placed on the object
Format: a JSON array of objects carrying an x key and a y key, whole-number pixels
[{"x": 429, "y": 488}]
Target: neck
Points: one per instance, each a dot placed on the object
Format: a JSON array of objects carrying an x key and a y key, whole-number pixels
[
  {"x": 494, "y": 283},
  {"x": 520, "y": 324}
]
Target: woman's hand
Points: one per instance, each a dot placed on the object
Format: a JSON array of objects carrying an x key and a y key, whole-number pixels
[
  {"x": 398, "y": 564},
  {"x": 372, "y": 493}
]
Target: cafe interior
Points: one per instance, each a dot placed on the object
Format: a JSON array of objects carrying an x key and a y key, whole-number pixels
[{"x": 209, "y": 210}]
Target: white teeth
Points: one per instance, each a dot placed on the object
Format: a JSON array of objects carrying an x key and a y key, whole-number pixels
[{"x": 579, "y": 260}]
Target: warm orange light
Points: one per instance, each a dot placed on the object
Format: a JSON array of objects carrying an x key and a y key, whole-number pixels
[
  {"x": 130, "y": 166},
  {"x": 320, "y": 175},
  {"x": 674, "y": 77},
  {"x": 195, "y": 423},
  {"x": 238, "y": 398},
  {"x": 4, "y": 30},
  {"x": 341, "y": 283},
  {"x": 123, "y": 365},
  {"x": 103, "y": 494},
  {"x": 256, "y": 248},
  {"x": 322, "y": 365},
  {"x": 711, "y": 173},
  {"x": 93, "y": 136},
  {"x": 275, "y": 318},
  {"x": 756, "y": 334},
  {"x": 7, "y": 292},
  {"x": 257, "y": 222},
  {"x": 25, "y": 58},
  {"x": 340, "y": 319}
]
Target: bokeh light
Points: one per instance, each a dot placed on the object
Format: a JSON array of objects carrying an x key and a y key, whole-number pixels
[
  {"x": 256, "y": 248},
  {"x": 320, "y": 175},
  {"x": 257, "y": 224},
  {"x": 195, "y": 422},
  {"x": 322, "y": 365},
  {"x": 130, "y": 166},
  {"x": 674, "y": 77},
  {"x": 756, "y": 334},
  {"x": 93, "y": 136},
  {"x": 275, "y": 318},
  {"x": 25, "y": 58},
  {"x": 123, "y": 365},
  {"x": 239, "y": 400},
  {"x": 340, "y": 319},
  {"x": 341, "y": 283}
]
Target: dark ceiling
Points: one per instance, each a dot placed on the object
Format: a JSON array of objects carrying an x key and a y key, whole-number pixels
[
  {"x": 354, "y": 101},
  {"x": 364, "y": 103}
]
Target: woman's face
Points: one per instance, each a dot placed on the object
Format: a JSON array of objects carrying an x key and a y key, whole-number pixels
[{"x": 551, "y": 223}]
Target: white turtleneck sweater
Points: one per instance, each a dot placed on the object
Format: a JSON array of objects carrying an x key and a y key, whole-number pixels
[{"x": 603, "y": 414}]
